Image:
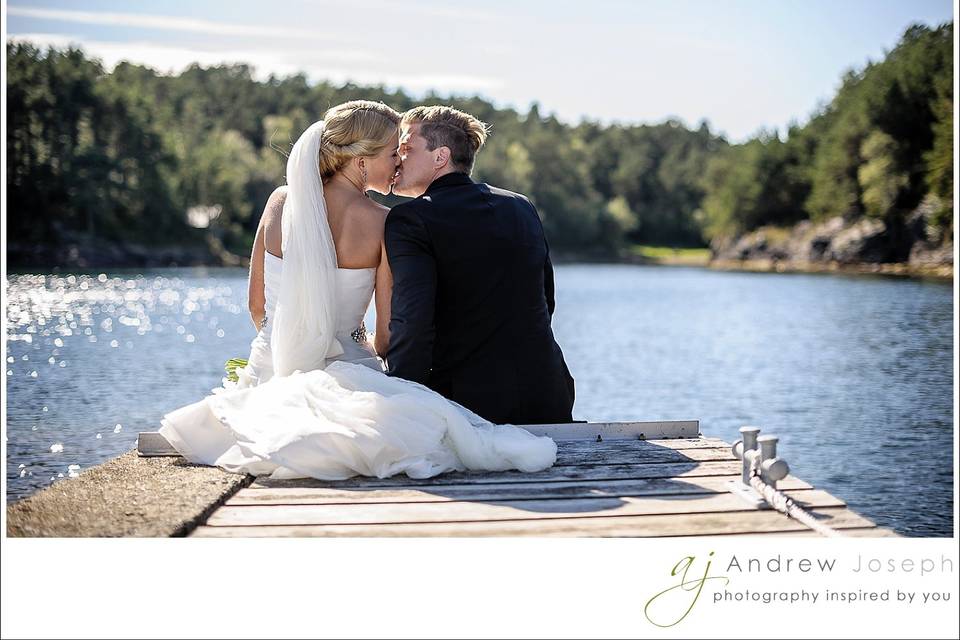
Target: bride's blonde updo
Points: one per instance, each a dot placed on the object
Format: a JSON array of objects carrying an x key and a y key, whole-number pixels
[{"x": 354, "y": 129}]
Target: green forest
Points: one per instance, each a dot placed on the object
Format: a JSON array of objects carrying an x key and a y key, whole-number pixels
[{"x": 122, "y": 156}]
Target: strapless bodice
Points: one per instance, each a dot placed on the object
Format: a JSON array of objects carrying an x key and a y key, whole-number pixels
[{"x": 354, "y": 290}]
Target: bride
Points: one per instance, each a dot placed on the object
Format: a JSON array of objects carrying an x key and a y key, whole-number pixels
[{"x": 312, "y": 400}]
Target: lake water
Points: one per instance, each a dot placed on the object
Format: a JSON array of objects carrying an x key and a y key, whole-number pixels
[{"x": 854, "y": 374}]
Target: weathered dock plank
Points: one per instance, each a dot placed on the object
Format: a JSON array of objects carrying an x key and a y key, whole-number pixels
[
  {"x": 580, "y": 452},
  {"x": 499, "y": 510},
  {"x": 669, "y": 525},
  {"x": 562, "y": 473},
  {"x": 667, "y": 443},
  {"x": 510, "y": 491}
]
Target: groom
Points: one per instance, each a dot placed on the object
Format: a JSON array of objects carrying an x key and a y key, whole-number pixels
[{"x": 472, "y": 281}]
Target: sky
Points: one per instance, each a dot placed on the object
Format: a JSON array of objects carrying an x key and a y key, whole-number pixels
[{"x": 741, "y": 65}]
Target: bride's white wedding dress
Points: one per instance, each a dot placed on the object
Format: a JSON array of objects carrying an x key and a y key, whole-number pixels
[
  {"x": 312, "y": 401},
  {"x": 354, "y": 289}
]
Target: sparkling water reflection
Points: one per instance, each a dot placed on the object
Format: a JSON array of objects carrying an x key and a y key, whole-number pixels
[
  {"x": 854, "y": 374},
  {"x": 93, "y": 359}
]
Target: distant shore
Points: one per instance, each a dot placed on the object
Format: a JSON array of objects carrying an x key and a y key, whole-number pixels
[
  {"x": 95, "y": 253},
  {"x": 103, "y": 255},
  {"x": 687, "y": 257}
]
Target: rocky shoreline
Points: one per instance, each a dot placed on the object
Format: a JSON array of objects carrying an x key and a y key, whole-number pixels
[{"x": 866, "y": 245}]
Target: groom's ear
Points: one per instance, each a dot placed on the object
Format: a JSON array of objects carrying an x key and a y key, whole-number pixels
[{"x": 441, "y": 157}]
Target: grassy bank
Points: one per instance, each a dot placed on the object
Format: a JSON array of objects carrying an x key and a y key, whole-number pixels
[{"x": 697, "y": 257}]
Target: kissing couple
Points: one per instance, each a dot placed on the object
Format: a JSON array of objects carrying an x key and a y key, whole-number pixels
[{"x": 463, "y": 289}]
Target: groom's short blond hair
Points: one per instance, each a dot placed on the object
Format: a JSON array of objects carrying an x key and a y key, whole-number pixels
[{"x": 460, "y": 132}]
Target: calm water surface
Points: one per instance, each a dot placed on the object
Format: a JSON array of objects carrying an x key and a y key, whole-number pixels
[{"x": 853, "y": 373}]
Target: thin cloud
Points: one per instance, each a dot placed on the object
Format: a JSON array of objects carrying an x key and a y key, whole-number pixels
[
  {"x": 317, "y": 65},
  {"x": 458, "y": 12},
  {"x": 166, "y": 23},
  {"x": 165, "y": 59}
]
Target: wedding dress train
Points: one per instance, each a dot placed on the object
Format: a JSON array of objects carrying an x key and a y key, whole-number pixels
[{"x": 347, "y": 419}]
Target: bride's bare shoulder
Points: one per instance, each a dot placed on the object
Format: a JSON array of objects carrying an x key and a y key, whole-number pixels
[
  {"x": 276, "y": 200},
  {"x": 271, "y": 220},
  {"x": 274, "y": 206}
]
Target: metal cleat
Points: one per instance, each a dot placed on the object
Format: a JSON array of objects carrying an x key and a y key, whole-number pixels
[{"x": 772, "y": 468}]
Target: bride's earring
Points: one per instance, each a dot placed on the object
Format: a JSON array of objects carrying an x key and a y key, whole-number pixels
[{"x": 363, "y": 177}]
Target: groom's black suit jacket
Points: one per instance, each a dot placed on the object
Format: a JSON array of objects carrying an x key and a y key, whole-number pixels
[{"x": 472, "y": 302}]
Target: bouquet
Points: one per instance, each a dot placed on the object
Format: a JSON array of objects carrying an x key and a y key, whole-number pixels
[{"x": 231, "y": 367}]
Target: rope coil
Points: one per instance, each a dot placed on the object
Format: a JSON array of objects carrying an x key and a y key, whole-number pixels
[{"x": 786, "y": 505}]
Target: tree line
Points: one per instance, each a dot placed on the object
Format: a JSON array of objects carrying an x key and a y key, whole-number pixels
[{"x": 123, "y": 155}]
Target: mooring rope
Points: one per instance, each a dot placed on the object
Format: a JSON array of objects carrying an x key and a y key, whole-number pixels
[{"x": 786, "y": 505}]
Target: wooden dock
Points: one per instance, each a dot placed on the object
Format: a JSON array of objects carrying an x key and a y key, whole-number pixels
[{"x": 643, "y": 479}]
